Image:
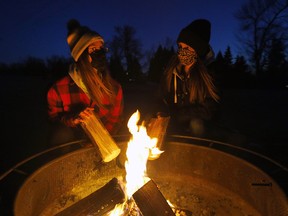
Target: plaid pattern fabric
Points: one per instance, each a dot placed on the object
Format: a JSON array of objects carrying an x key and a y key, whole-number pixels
[{"x": 65, "y": 100}]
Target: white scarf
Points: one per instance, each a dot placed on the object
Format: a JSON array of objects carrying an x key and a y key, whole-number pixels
[{"x": 76, "y": 76}]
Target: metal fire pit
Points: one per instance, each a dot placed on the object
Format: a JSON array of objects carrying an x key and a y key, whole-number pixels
[{"x": 203, "y": 176}]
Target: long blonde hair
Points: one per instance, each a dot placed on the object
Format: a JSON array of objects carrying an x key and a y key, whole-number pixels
[
  {"x": 98, "y": 85},
  {"x": 201, "y": 83}
]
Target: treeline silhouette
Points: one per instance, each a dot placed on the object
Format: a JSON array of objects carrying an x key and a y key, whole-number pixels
[{"x": 231, "y": 72}]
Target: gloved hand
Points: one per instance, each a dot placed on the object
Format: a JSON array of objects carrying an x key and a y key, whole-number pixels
[{"x": 76, "y": 120}]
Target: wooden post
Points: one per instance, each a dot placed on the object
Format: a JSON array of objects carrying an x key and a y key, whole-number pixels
[
  {"x": 101, "y": 138},
  {"x": 99, "y": 202},
  {"x": 151, "y": 202}
]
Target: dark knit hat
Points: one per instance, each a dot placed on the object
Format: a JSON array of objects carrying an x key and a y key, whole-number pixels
[
  {"x": 79, "y": 38},
  {"x": 197, "y": 36}
]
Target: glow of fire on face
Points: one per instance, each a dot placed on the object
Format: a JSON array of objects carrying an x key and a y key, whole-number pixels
[{"x": 139, "y": 148}]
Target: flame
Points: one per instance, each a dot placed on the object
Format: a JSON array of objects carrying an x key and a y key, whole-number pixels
[
  {"x": 139, "y": 148},
  {"x": 138, "y": 151},
  {"x": 118, "y": 210}
]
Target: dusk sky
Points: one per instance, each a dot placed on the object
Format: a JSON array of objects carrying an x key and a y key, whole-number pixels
[{"x": 38, "y": 28}]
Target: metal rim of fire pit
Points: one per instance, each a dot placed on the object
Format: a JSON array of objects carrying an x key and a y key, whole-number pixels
[
  {"x": 258, "y": 159},
  {"x": 271, "y": 167}
]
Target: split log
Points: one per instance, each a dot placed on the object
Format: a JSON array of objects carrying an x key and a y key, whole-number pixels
[
  {"x": 151, "y": 202},
  {"x": 157, "y": 128},
  {"x": 101, "y": 138},
  {"x": 97, "y": 203}
]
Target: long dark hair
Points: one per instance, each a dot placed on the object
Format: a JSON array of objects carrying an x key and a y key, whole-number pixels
[
  {"x": 98, "y": 85},
  {"x": 201, "y": 82}
]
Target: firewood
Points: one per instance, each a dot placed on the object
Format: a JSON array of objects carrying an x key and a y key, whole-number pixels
[
  {"x": 101, "y": 138},
  {"x": 97, "y": 203},
  {"x": 151, "y": 202},
  {"x": 157, "y": 128}
]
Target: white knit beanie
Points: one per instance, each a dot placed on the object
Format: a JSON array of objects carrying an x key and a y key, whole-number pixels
[{"x": 79, "y": 38}]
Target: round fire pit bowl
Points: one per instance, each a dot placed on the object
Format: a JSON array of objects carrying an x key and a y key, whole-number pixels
[{"x": 202, "y": 176}]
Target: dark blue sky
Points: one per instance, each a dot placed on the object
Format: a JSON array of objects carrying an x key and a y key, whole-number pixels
[{"x": 38, "y": 28}]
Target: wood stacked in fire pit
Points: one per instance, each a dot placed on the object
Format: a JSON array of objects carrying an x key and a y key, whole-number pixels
[
  {"x": 149, "y": 201},
  {"x": 98, "y": 203}
]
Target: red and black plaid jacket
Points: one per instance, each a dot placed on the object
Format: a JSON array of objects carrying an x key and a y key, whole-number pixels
[{"x": 66, "y": 100}]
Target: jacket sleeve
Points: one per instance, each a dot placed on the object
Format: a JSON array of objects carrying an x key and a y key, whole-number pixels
[
  {"x": 54, "y": 104},
  {"x": 55, "y": 109}
]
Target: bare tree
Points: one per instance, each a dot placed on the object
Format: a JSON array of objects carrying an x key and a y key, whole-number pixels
[
  {"x": 262, "y": 21},
  {"x": 127, "y": 48}
]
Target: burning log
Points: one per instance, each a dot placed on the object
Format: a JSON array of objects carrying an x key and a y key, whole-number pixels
[
  {"x": 101, "y": 138},
  {"x": 151, "y": 202},
  {"x": 99, "y": 202},
  {"x": 157, "y": 128}
]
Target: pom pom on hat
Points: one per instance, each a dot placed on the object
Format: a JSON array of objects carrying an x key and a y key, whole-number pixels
[
  {"x": 197, "y": 36},
  {"x": 79, "y": 38}
]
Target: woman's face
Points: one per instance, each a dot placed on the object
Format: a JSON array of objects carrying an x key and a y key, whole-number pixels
[
  {"x": 186, "y": 54},
  {"x": 97, "y": 45}
]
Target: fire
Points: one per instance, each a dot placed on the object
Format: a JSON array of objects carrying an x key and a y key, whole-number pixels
[
  {"x": 137, "y": 155},
  {"x": 118, "y": 210},
  {"x": 139, "y": 149}
]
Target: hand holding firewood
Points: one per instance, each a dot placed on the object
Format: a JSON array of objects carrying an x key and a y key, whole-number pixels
[
  {"x": 80, "y": 118},
  {"x": 157, "y": 127},
  {"x": 99, "y": 135}
]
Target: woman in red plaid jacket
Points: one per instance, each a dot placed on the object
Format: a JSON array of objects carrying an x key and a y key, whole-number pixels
[{"x": 87, "y": 87}]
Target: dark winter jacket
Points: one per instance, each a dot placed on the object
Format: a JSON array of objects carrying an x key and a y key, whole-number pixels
[{"x": 175, "y": 101}]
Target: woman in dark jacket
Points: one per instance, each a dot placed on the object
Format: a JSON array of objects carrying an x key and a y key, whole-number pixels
[{"x": 187, "y": 90}]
